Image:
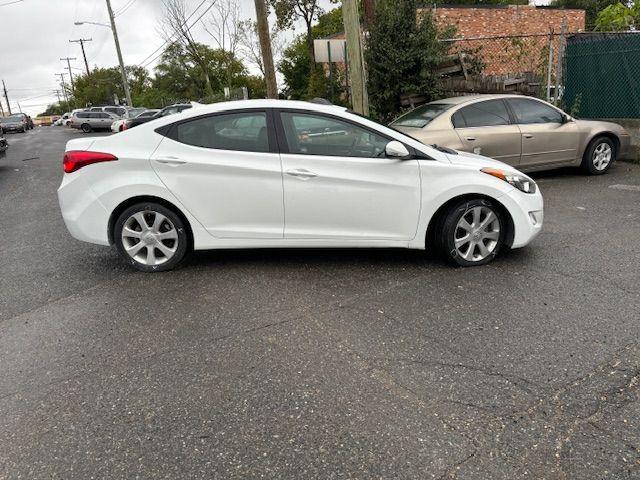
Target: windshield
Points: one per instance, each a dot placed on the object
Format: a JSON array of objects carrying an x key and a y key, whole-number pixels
[
  {"x": 11, "y": 119},
  {"x": 134, "y": 112},
  {"x": 422, "y": 115}
]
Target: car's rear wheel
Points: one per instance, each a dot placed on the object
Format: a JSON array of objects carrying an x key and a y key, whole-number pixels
[
  {"x": 472, "y": 232},
  {"x": 151, "y": 237},
  {"x": 86, "y": 128},
  {"x": 599, "y": 156}
]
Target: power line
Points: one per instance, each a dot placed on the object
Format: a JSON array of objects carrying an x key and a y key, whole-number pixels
[
  {"x": 125, "y": 8},
  {"x": 169, "y": 40}
]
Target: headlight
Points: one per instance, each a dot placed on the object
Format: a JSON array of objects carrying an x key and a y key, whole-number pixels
[{"x": 518, "y": 180}]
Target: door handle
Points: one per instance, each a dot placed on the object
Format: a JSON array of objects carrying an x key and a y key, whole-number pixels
[
  {"x": 301, "y": 173},
  {"x": 471, "y": 139},
  {"x": 527, "y": 135},
  {"x": 170, "y": 161}
]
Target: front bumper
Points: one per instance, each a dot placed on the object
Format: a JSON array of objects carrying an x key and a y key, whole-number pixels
[
  {"x": 625, "y": 146},
  {"x": 13, "y": 127},
  {"x": 527, "y": 213}
]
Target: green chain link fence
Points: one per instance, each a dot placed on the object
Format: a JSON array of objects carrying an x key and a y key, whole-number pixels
[{"x": 602, "y": 75}]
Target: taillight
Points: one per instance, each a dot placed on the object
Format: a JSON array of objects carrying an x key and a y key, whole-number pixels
[
  {"x": 75, "y": 160},
  {"x": 125, "y": 125}
]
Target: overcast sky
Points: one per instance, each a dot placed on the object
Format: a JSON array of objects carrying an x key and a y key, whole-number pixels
[{"x": 35, "y": 35}]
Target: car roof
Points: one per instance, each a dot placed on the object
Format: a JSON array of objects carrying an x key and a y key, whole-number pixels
[
  {"x": 474, "y": 98},
  {"x": 199, "y": 109}
]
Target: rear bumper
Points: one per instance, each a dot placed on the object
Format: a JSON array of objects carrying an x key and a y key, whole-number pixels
[
  {"x": 527, "y": 213},
  {"x": 85, "y": 217}
]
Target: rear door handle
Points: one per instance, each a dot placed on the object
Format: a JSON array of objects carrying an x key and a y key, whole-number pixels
[
  {"x": 301, "y": 173},
  {"x": 527, "y": 135},
  {"x": 471, "y": 139},
  {"x": 170, "y": 161}
]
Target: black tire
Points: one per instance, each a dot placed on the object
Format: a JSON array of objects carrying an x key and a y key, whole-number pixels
[
  {"x": 447, "y": 232},
  {"x": 182, "y": 241},
  {"x": 86, "y": 128},
  {"x": 590, "y": 158}
]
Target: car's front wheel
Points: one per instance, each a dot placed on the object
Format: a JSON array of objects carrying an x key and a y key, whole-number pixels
[
  {"x": 599, "y": 156},
  {"x": 472, "y": 232},
  {"x": 86, "y": 128},
  {"x": 151, "y": 237}
]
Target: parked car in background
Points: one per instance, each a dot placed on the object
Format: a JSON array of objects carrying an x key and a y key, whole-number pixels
[
  {"x": 17, "y": 122},
  {"x": 3, "y": 143},
  {"x": 118, "y": 111},
  {"x": 219, "y": 176},
  {"x": 119, "y": 125},
  {"x": 525, "y": 132},
  {"x": 170, "y": 110},
  {"x": 88, "y": 121}
]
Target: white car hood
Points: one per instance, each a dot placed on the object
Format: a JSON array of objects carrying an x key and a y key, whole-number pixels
[{"x": 474, "y": 160}]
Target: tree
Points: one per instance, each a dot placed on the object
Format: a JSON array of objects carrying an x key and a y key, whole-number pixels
[
  {"x": 592, "y": 7},
  {"x": 401, "y": 64},
  {"x": 249, "y": 44},
  {"x": 619, "y": 17},
  {"x": 175, "y": 29},
  {"x": 288, "y": 12},
  {"x": 295, "y": 67}
]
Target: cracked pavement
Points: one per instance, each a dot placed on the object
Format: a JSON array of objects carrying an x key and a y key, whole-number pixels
[{"x": 320, "y": 364}]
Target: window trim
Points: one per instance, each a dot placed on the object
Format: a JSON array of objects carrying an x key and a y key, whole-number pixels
[
  {"x": 512, "y": 118},
  {"x": 171, "y": 130},
  {"x": 532, "y": 99},
  {"x": 284, "y": 146}
]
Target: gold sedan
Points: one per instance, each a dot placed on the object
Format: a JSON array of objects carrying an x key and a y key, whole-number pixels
[{"x": 525, "y": 132}]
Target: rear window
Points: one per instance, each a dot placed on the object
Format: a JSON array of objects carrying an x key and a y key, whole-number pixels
[{"x": 422, "y": 115}]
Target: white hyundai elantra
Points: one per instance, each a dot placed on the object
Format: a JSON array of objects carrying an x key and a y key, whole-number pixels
[{"x": 272, "y": 173}]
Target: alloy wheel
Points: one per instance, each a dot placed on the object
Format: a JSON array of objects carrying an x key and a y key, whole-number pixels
[
  {"x": 602, "y": 155},
  {"x": 149, "y": 238},
  {"x": 477, "y": 234}
]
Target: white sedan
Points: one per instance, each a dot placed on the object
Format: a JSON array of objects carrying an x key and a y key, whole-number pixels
[{"x": 273, "y": 173}]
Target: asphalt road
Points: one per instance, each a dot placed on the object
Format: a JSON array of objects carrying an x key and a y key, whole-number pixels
[{"x": 320, "y": 364}]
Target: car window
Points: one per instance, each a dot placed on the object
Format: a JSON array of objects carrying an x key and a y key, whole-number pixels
[
  {"x": 485, "y": 114},
  {"x": 234, "y": 131},
  {"x": 422, "y": 115},
  {"x": 82, "y": 115},
  {"x": 321, "y": 135},
  {"x": 532, "y": 111},
  {"x": 96, "y": 109}
]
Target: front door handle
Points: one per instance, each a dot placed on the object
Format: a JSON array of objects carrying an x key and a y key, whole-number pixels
[
  {"x": 471, "y": 139},
  {"x": 301, "y": 173},
  {"x": 527, "y": 135}
]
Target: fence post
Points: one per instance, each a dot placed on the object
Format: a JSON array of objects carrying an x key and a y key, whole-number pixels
[
  {"x": 559, "y": 65},
  {"x": 550, "y": 66}
]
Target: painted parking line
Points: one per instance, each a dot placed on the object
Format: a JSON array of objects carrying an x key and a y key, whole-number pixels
[{"x": 628, "y": 188}]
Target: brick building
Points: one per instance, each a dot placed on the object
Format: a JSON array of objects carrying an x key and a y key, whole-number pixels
[
  {"x": 509, "y": 40},
  {"x": 494, "y": 20}
]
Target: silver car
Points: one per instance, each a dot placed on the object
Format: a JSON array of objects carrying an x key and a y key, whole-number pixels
[
  {"x": 88, "y": 121},
  {"x": 522, "y": 131}
]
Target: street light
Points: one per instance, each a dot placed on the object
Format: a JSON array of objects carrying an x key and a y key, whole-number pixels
[{"x": 119, "y": 52}]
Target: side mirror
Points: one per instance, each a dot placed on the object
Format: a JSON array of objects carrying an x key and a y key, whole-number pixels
[
  {"x": 566, "y": 118},
  {"x": 395, "y": 149}
]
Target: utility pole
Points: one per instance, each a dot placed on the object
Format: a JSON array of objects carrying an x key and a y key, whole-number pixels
[
  {"x": 57, "y": 92},
  {"x": 19, "y": 107},
  {"x": 84, "y": 55},
  {"x": 62, "y": 84},
  {"x": 351, "y": 19},
  {"x": 6, "y": 97},
  {"x": 127, "y": 93},
  {"x": 68, "y": 59},
  {"x": 265, "y": 48}
]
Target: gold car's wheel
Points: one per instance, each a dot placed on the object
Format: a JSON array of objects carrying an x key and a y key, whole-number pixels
[{"x": 599, "y": 156}]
